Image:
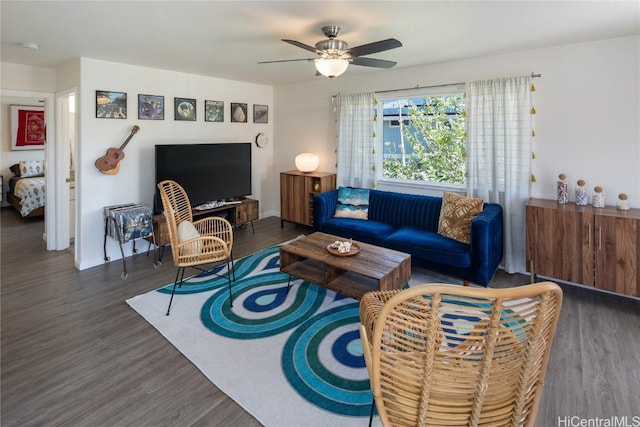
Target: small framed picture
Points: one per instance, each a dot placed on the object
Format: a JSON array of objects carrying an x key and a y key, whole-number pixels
[
  {"x": 260, "y": 113},
  {"x": 213, "y": 111},
  {"x": 185, "y": 109},
  {"x": 27, "y": 128},
  {"x": 238, "y": 112},
  {"x": 111, "y": 105},
  {"x": 150, "y": 107}
]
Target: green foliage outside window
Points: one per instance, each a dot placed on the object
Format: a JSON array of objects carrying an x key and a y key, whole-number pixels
[{"x": 432, "y": 147}]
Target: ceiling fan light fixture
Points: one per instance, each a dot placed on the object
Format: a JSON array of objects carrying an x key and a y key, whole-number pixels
[
  {"x": 332, "y": 67},
  {"x": 334, "y": 55}
]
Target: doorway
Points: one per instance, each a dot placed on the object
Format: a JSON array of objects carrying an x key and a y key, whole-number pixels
[
  {"x": 65, "y": 168},
  {"x": 44, "y": 100}
]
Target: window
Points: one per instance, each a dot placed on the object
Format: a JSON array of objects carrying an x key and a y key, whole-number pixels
[
  {"x": 396, "y": 123},
  {"x": 423, "y": 137}
]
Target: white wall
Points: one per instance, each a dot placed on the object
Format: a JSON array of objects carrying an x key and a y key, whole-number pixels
[
  {"x": 587, "y": 102},
  {"x": 135, "y": 180},
  {"x": 26, "y": 78}
]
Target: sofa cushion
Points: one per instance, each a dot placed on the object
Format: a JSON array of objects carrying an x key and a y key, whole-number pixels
[
  {"x": 352, "y": 203},
  {"x": 400, "y": 209},
  {"x": 456, "y": 215},
  {"x": 430, "y": 246},
  {"x": 372, "y": 232}
]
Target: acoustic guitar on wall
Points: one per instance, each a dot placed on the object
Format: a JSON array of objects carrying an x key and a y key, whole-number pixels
[{"x": 109, "y": 164}]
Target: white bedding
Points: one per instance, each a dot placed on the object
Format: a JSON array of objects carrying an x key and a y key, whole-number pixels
[{"x": 31, "y": 193}]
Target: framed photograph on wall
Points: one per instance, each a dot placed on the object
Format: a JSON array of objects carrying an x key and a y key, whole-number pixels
[
  {"x": 260, "y": 113},
  {"x": 185, "y": 109},
  {"x": 238, "y": 112},
  {"x": 111, "y": 105},
  {"x": 27, "y": 128},
  {"x": 213, "y": 111},
  {"x": 150, "y": 107}
]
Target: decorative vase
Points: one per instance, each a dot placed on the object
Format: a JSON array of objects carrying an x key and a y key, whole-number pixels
[
  {"x": 562, "y": 190},
  {"x": 623, "y": 202},
  {"x": 598, "y": 197},
  {"x": 581, "y": 193}
]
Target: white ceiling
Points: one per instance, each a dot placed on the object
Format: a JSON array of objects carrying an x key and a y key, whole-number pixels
[{"x": 227, "y": 38}]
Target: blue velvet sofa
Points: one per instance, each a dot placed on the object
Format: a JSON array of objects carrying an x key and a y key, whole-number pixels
[{"x": 409, "y": 223}]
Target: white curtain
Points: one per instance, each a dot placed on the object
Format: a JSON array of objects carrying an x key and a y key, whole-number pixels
[
  {"x": 499, "y": 155},
  {"x": 356, "y": 132}
]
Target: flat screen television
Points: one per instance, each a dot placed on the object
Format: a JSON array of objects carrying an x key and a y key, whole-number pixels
[{"x": 207, "y": 172}]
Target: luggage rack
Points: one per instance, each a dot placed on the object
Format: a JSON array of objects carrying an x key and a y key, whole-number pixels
[{"x": 127, "y": 222}]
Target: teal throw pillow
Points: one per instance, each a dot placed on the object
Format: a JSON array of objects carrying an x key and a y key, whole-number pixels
[{"x": 352, "y": 203}]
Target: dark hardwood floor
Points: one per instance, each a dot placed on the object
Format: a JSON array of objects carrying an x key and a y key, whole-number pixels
[{"x": 74, "y": 353}]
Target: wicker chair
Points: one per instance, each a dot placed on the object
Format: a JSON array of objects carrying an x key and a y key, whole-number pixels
[
  {"x": 445, "y": 355},
  {"x": 210, "y": 243}
]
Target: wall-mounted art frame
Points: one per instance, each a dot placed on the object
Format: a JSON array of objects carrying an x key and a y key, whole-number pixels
[
  {"x": 150, "y": 107},
  {"x": 260, "y": 113},
  {"x": 111, "y": 105},
  {"x": 28, "y": 131},
  {"x": 238, "y": 112},
  {"x": 184, "y": 109},
  {"x": 213, "y": 111}
]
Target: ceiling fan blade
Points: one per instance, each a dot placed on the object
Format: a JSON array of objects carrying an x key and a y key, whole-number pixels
[
  {"x": 372, "y": 62},
  {"x": 287, "y": 60},
  {"x": 302, "y": 45},
  {"x": 375, "y": 47}
]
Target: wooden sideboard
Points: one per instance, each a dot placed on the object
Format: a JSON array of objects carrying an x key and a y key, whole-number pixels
[
  {"x": 237, "y": 214},
  {"x": 296, "y": 194},
  {"x": 596, "y": 247}
]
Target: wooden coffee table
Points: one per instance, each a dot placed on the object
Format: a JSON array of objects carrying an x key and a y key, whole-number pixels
[{"x": 373, "y": 268}]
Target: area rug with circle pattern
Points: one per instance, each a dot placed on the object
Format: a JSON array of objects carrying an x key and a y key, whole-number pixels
[{"x": 288, "y": 357}]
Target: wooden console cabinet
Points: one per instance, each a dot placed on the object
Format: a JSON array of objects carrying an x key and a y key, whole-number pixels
[
  {"x": 237, "y": 214},
  {"x": 597, "y": 247},
  {"x": 296, "y": 194}
]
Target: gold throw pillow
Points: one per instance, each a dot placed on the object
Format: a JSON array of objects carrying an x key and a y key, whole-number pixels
[{"x": 456, "y": 215}]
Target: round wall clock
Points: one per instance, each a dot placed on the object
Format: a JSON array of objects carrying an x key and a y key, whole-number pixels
[{"x": 261, "y": 140}]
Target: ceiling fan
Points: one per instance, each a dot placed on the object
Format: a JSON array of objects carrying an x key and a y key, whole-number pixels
[{"x": 334, "y": 55}]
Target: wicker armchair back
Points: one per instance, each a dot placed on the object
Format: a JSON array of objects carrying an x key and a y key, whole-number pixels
[{"x": 446, "y": 355}]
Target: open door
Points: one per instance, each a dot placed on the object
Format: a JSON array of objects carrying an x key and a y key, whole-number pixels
[{"x": 65, "y": 168}]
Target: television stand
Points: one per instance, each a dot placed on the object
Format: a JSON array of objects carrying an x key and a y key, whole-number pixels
[{"x": 238, "y": 213}]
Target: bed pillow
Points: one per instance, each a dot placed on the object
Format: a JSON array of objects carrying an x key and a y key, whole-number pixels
[
  {"x": 352, "y": 203},
  {"x": 15, "y": 169},
  {"x": 31, "y": 168},
  {"x": 456, "y": 215},
  {"x": 187, "y": 231}
]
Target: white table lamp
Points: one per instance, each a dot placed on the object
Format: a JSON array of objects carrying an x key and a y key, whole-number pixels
[{"x": 307, "y": 162}]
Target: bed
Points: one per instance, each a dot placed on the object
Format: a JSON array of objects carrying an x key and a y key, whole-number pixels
[{"x": 27, "y": 188}]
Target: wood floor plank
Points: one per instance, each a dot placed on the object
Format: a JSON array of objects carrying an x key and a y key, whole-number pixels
[{"x": 73, "y": 353}]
